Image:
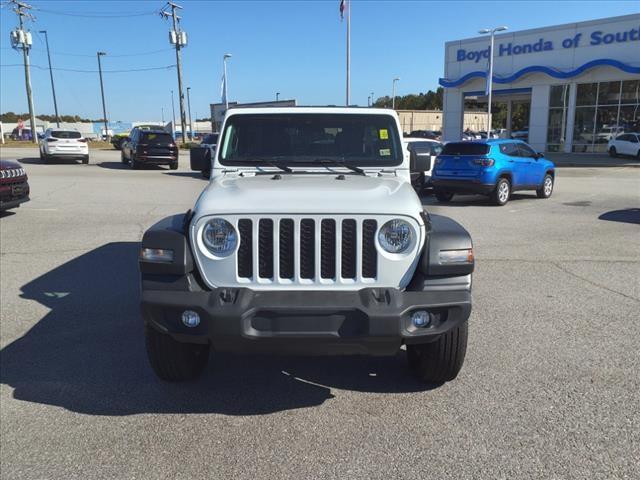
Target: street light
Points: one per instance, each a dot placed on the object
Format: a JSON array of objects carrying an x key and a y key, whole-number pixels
[
  {"x": 491, "y": 32},
  {"x": 393, "y": 100},
  {"x": 372, "y": 99},
  {"x": 104, "y": 108},
  {"x": 224, "y": 64},
  {"x": 277, "y": 96},
  {"x": 189, "y": 106}
]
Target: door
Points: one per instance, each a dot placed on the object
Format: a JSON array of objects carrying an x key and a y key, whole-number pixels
[
  {"x": 514, "y": 163},
  {"x": 534, "y": 170}
]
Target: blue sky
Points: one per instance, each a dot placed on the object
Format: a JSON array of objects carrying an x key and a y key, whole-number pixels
[{"x": 296, "y": 48}]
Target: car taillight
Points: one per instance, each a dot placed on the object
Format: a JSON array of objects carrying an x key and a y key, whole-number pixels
[
  {"x": 52, "y": 139},
  {"x": 485, "y": 162},
  {"x": 172, "y": 145}
]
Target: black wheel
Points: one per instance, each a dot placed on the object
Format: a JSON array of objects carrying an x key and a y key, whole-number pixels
[
  {"x": 206, "y": 173},
  {"x": 546, "y": 189},
  {"x": 133, "y": 163},
  {"x": 122, "y": 159},
  {"x": 85, "y": 159},
  {"x": 612, "y": 152},
  {"x": 440, "y": 361},
  {"x": 174, "y": 361},
  {"x": 443, "y": 196},
  {"x": 502, "y": 192},
  {"x": 173, "y": 165}
]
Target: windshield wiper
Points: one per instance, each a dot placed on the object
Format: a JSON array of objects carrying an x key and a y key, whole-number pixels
[
  {"x": 338, "y": 163},
  {"x": 270, "y": 163}
]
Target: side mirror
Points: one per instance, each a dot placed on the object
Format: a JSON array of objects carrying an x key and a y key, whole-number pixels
[
  {"x": 200, "y": 159},
  {"x": 420, "y": 163}
]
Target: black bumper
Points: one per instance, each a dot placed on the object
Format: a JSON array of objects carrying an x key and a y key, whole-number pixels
[
  {"x": 463, "y": 186},
  {"x": 370, "y": 321},
  {"x": 12, "y": 203}
]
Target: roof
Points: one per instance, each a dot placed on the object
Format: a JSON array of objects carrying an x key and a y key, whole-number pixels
[
  {"x": 338, "y": 110},
  {"x": 419, "y": 139}
]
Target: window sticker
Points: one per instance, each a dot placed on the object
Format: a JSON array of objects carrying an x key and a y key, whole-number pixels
[
  {"x": 384, "y": 134},
  {"x": 385, "y": 152},
  {"x": 151, "y": 136}
]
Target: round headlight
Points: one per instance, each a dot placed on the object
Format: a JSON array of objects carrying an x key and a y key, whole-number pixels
[
  {"x": 219, "y": 237},
  {"x": 396, "y": 236}
]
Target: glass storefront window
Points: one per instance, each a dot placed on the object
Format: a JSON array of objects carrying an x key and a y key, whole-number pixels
[
  {"x": 609, "y": 93},
  {"x": 559, "y": 96},
  {"x": 606, "y": 127},
  {"x": 583, "y": 130},
  {"x": 556, "y": 131},
  {"x": 631, "y": 91},
  {"x": 587, "y": 93}
]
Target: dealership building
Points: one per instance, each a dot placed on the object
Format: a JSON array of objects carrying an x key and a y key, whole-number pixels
[{"x": 566, "y": 88}]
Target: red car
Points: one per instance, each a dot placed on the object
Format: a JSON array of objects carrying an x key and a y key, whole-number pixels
[{"x": 14, "y": 188}]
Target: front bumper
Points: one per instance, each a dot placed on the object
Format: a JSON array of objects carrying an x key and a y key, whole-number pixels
[
  {"x": 373, "y": 321},
  {"x": 12, "y": 195}
]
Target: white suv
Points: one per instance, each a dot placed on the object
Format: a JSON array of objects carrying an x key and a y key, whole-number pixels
[
  {"x": 308, "y": 240},
  {"x": 63, "y": 143}
]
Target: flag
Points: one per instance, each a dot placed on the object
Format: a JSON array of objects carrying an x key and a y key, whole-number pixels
[{"x": 343, "y": 7}]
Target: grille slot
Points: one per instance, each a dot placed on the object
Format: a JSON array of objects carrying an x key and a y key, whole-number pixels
[
  {"x": 328, "y": 248},
  {"x": 307, "y": 248},
  {"x": 265, "y": 248},
  {"x": 349, "y": 248},
  {"x": 369, "y": 254},
  {"x": 286, "y": 248},
  {"x": 245, "y": 256}
]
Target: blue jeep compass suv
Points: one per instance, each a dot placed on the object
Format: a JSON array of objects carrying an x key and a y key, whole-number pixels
[{"x": 491, "y": 167}]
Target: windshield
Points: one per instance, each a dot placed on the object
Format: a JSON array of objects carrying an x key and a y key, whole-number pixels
[
  {"x": 63, "y": 134},
  {"x": 304, "y": 139},
  {"x": 156, "y": 138},
  {"x": 465, "y": 148},
  {"x": 210, "y": 139}
]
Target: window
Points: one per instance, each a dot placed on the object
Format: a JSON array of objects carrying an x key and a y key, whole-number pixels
[
  {"x": 526, "y": 151},
  {"x": 305, "y": 138},
  {"x": 465, "y": 148},
  {"x": 624, "y": 138},
  {"x": 587, "y": 93},
  {"x": 557, "y": 127},
  {"x": 155, "y": 138},
  {"x": 436, "y": 149},
  {"x": 65, "y": 134},
  {"x": 634, "y": 139},
  {"x": 509, "y": 148}
]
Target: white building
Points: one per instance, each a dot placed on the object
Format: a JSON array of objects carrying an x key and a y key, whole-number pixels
[{"x": 571, "y": 86}]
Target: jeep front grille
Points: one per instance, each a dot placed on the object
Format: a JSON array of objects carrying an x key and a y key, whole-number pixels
[{"x": 308, "y": 249}]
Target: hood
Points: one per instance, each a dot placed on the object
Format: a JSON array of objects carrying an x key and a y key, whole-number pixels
[
  {"x": 9, "y": 164},
  {"x": 308, "y": 193}
]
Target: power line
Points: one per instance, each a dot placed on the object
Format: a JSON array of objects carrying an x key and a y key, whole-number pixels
[
  {"x": 106, "y": 15},
  {"x": 77, "y": 70},
  {"x": 140, "y": 54}
]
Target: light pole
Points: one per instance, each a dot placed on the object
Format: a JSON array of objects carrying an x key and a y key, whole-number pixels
[
  {"x": 491, "y": 32},
  {"x": 189, "y": 106},
  {"x": 372, "y": 99},
  {"x": 224, "y": 65},
  {"x": 53, "y": 88},
  {"x": 369, "y": 101},
  {"x": 173, "y": 121},
  {"x": 277, "y": 96},
  {"x": 393, "y": 100},
  {"x": 104, "y": 107}
]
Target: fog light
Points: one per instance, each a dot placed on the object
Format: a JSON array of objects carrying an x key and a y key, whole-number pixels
[
  {"x": 190, "y": 318},
  {"x": 420, "y": 318}
]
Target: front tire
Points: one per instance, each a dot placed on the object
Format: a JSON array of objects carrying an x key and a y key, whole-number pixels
[
  {"x": 85, "y": 160},
  {"x": 612, "y": 152},
  {"x": 133, "y": 163},
  {"x": 502, "y": 192},
  {"x": 546, "y": 189},
  {"x": 122, "y": 157},
  {"x": 443, "y": 196},
  {"x": 173, "y": 165},
  {"x": 174, "y": 361},
  {"x": 440, "y": 361}
]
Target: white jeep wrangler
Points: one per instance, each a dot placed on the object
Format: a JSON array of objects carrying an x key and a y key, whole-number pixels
[{"x": 309, "y": 239}]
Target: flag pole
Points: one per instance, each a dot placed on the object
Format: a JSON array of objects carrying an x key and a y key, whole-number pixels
[{"x": 348, "y": 5}]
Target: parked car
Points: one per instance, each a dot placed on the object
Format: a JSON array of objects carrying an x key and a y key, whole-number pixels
[
  {"x": 493, "y": 167},
  {"x": 200, "y": 156},
  {"x": 14, "y": 185},
  {"x": 149, "y": 147},
  {"x": 23, "y": 134},
  {"x": 63, "y": 143},
  {"x": 625, "y": 144},
  {"x": 118, "y": 138},
  {"x": 427, "y": 149},
  {"x": 430, "y": 134},
  {"x": 320, "y": 246}
]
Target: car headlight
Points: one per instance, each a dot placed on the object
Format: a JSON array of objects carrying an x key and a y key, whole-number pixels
[
  {"x": 219, "y": 237},
  {"x": 396, "y": 236}
]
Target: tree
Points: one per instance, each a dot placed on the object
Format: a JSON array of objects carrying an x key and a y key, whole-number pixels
[{"x": 421, "y": 101}]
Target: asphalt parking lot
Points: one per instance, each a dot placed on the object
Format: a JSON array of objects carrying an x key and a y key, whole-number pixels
[{"x": 549, "y": 388}]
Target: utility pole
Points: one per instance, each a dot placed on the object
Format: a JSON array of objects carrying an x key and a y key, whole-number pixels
[
  {"x": 173, "y": 121},
  {"x": 179, "y": 39},
  {"x": 372, "y": 100},
  {"x": 190, "y": 119},
  {"x": 53, "y": 88},
  {"x": 348, "y": 6},
  {"x": 104, "y": 106},
  {"x": 22, "y": 40},
  {"x": 393, "y": 99}
]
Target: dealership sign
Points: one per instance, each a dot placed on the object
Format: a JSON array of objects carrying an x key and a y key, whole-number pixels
[{"x": 507, "y": 49}]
